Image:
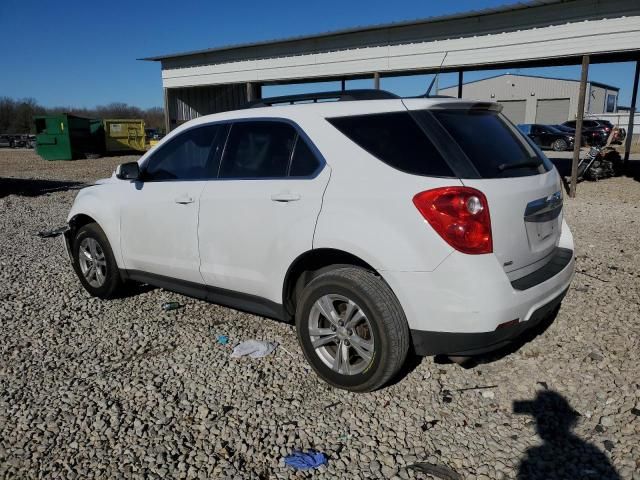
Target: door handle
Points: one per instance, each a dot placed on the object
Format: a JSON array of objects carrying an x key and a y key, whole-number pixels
[
  {"x": 184, "y": 199},
  {"x": 285, "y": 197}
]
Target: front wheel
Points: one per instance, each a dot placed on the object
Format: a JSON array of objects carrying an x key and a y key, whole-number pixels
[
  {"x": 352, "y": 329},
  {"x": 94, "y": 262}
]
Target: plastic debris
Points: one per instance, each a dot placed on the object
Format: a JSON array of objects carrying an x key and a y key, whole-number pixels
[
  {"x": 438, "y": 471},
  {"x": 53, "y": 233},
  {"x": 166, "y": 306},
  {"x": 253, "y": 349},
  {"x": 222, "y": 339},
  {"x": 305, "y": 460}
]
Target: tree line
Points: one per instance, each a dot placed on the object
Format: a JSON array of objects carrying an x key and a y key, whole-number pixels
[{"x": 16, "y": 116}]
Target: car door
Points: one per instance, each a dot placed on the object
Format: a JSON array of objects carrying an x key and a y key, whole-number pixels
[
  {"x": 159, "y": 216},
  {"x": 261, "y": 213}
]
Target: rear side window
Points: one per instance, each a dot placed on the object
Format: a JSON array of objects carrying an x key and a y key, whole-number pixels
[
  {"x": 397, "y": 140},
  {"x": 303, "y": 163},
  {"x": 258, "y": 150},
  {"x": 188, "y": 156},
  {"x": 493, "y": 146}
]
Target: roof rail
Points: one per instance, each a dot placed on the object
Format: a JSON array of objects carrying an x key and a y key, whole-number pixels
[{"x": 340, "y": 95}]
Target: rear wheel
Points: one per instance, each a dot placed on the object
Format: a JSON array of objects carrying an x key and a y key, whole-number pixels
[
  {"x": 352, "y": 329},
  {"x": 559, "y": 145},
  {"x": 94, "y": 262}
]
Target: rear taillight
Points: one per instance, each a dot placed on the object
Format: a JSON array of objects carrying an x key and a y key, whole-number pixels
[{"x": 460, "y": 215}]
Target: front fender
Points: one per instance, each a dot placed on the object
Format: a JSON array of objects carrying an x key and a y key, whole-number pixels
[{"x": 100, "y": 204}]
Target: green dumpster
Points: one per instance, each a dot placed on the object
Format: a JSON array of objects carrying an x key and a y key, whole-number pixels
[{"x": 65, "y": 137}]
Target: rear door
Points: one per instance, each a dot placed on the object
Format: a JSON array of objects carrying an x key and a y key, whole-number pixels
[
  {"x": 260, "y": 214},
  {"x": 522, "y": 187}
]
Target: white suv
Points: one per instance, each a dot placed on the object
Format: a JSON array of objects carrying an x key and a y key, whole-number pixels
[{"x": 378, "y": 225}]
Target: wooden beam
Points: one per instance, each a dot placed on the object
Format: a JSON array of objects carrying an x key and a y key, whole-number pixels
[
  {"x": 632, "y": 114},
  {"x": 376, "y": 81},
  {"x": 251, "y": 91},
  {"x": 167, "y": 124},
  {"x": 578, "y": 139},
  {"x": 460, "y": 73}
]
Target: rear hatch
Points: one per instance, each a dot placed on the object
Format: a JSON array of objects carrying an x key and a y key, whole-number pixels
[{"x": 521, "y": 185}]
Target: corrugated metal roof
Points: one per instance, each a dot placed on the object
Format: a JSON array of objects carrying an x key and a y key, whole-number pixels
[
  {"x": 597, "y": 84},
  {"x": 361, "y": 29}
]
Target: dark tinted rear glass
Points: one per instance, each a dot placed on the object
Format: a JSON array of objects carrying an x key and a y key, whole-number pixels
[
  {"x": 493, "y": 146},
  {"x": 397, "y": 140},
  {"x": 303, "y": 163}
]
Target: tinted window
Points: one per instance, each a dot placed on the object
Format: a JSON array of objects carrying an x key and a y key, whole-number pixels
[
  {"x": 304, "y": 163},
  {"x": 188, "y": 156},
  {"x": 397, "y": 140},
  {"x": 589, "y": 123},
  {"x": 492, "y": 145},
  {"x": 258, "y": 150},
  {"x": 570, "y": 123}
]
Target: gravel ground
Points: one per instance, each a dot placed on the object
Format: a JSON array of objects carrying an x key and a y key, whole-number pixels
[{"x": 121, "y": 389}]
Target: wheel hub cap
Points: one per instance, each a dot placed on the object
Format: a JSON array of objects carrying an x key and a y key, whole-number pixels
[
  {"x": 341, "y": 334},
  {"x": 93, "y": 263}
]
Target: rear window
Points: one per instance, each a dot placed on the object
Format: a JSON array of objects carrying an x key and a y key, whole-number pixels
[
  {"x": 494, "y": 147},
  {"x": 395, "y": 139}
]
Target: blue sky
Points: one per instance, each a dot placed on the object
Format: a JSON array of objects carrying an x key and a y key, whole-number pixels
[{"x": 84, "y": 53}]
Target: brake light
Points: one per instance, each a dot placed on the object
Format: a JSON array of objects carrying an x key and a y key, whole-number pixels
[{"x": 460, "y": 215}]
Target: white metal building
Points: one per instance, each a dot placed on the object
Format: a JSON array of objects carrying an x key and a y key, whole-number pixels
[
  {"x": 536, "y": 33},
  {"x": 531, "y": 99}
]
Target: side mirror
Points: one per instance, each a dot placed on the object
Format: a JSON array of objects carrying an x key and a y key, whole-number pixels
[{"x": 128, "y": 171}]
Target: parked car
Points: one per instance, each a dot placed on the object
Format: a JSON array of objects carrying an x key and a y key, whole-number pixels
[
  {"x": 546, "y": 136},
  {"x": 7, "y": 141},
  {"x": 372, "y": 224},
  {"x": 596, "y": 132}
]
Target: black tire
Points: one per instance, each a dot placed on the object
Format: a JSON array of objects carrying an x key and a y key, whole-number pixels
[
  {"x": 112, "y": 280},
  {"x": 384, "y": 314},
  {"x": 559, "y": 145}
]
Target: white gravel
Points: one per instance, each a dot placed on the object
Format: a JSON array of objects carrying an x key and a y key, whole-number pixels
[{"x": 121, "y": 389}]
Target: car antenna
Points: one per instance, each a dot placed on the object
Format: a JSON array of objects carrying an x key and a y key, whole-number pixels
[{"x": 427, "y": 94}]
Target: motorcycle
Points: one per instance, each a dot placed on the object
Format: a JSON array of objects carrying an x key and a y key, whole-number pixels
[{"x": 601, "y": 162}]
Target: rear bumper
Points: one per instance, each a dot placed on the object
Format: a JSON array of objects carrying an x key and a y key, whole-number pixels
[
  {"x": 462, "y": 344},
  {"x": 461, "y": 305}
]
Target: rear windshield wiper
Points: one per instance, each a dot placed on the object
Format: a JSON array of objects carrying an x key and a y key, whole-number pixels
[{"x": 509, "y": 166}]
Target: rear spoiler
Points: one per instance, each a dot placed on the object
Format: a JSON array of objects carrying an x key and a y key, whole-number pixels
[{"x": 492, "y": 106}]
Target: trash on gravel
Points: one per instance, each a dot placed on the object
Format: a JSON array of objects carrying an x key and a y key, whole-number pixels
[
  {"x": 166, "y": 306},
  {"x": 471, "y": 388},
  {"x": 253, "y": 349},
  {"x": 53, "y": 233},
  {"x": 331, "y": 405},
  {"x": 438, "y": 471},
  {"x": 222, "y": 339},
  {"x": 429, "y": 425},
  {"x": 595, "y": 356},
  {"x": 305, "y": 461}
]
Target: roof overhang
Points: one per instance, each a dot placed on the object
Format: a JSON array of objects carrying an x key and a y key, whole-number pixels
[{"x": 532, "y": 34}]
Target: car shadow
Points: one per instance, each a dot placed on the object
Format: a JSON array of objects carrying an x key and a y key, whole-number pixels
[
  {"x": 514, "y": 346},
  {"x": 632, "y": 169},
  {"x": 31, "y": 187},
  {"x": 133, "y": 289},
  {"x": 562, "y": 453}
]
